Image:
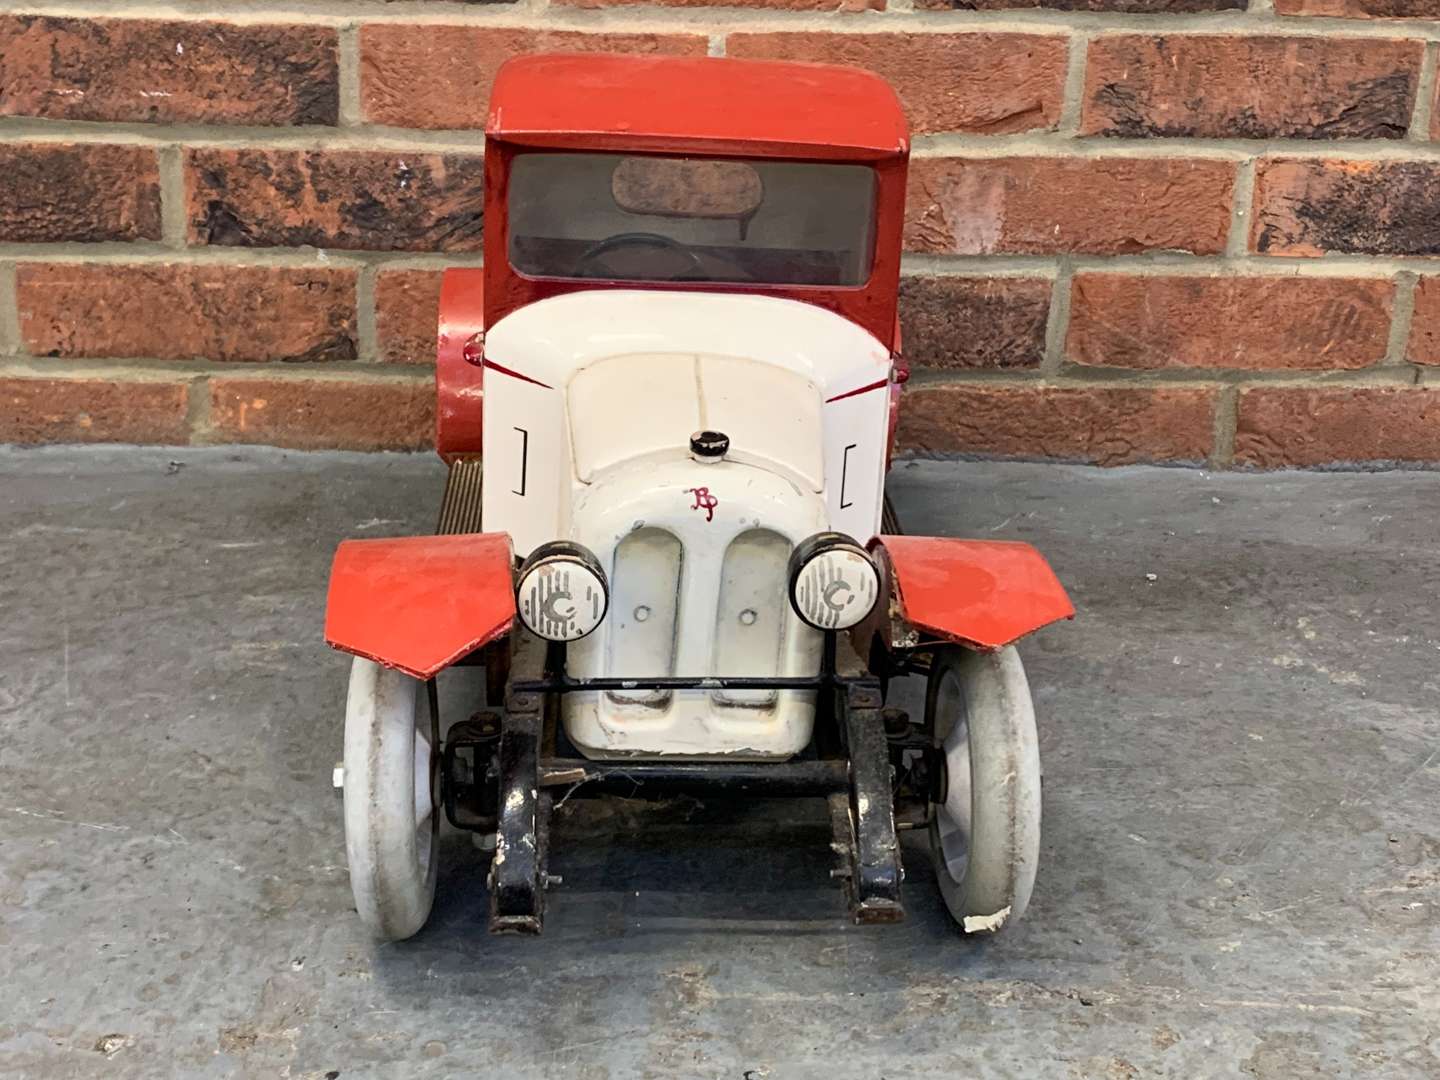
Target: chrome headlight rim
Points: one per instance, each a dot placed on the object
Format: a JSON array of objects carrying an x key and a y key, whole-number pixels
[
  {"x": 544, "y": 561},
  {"x": 820, "y": 546}
]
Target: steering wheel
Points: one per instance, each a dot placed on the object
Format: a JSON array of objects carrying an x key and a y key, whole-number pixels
[{"x": 650, "y": 239}]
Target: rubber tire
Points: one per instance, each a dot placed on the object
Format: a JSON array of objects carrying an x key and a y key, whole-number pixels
[
  {"x": 979, "y": 708},
  {"x": 392, "y": 859}
]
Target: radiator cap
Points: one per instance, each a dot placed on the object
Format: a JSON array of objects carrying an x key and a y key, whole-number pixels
[{"x": 709, "y": 445}]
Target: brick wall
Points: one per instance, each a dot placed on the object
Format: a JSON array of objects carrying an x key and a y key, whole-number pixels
[{"x": 1139, "y": 230}]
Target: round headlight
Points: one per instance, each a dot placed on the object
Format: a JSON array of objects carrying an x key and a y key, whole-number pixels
[
  {"x": 562, "y": 594},
  {"x": 833, "y": 582}
]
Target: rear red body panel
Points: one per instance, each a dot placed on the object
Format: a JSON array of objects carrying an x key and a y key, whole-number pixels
[
  {"x": 982, "y": 593},
  {"x": 459, "y": 377},
  {"x": 419, "y": 603}
]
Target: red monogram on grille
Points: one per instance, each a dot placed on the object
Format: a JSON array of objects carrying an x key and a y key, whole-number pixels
[{"x": 704, "y": 501}]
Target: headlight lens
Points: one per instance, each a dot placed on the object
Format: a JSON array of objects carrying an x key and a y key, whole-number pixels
[
  {"x": 563, "y": 594},
  {"x": 833, "y": 583}
]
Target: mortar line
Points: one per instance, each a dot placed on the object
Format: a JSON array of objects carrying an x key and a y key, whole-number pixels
[
  {"x": 915, "y": 264},
  {"x": 1058, "y": 145},
  {"x": 197, "y": 412},
  {"x": 1424, "y": 96},
  {"x": 1227, "y": 420},
  {"x": 352, "y": 111},
  {"x": 1259, "y": 21},
  {"x": 151, "y": 369},
  {"x": 12, "y": 342},
  {"x": 1073, "y": 95},
  {"x": 218, "y": 255},
  {"x": 1242, "y": 204},
  {"x": 1057, "y": 323},
  {"x": 470, "y": 141},
  {"x": 133, "y": 369},
  {"x": 174, "y": 224},
  {"x": 1401, "y": 315},
  {"x": 1169, "y": 264},
  {"x": 367, "y": 339},
  {"x": 1082, "y": 375}
]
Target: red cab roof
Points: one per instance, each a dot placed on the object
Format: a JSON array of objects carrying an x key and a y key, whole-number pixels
[{"x": 755, "y": 108}]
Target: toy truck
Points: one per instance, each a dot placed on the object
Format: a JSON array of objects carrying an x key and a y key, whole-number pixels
[{"x": 680, "y": 366}]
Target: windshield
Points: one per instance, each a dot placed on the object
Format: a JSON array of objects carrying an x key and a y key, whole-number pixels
[{"x": 632, "y": 218}]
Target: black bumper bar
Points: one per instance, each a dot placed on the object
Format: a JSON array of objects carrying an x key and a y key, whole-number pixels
[{"x": 636, "y": 779}]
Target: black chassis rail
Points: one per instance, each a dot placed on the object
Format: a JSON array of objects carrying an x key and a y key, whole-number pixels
[{"x": 854, "y": 777}]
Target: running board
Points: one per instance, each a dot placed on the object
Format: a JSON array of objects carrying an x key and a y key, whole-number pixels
[{"x": 460, "y": 508}]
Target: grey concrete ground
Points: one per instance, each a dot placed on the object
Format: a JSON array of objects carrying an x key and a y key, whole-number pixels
[{"x": 1241, "y": 870}]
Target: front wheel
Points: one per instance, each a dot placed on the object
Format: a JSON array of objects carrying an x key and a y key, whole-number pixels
[
  {"x": 391, "y": 823},
  {"x": 985, "y": 835}
]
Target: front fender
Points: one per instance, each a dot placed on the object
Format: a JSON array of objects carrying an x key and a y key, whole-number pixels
[
  {"x": 982, "y": 593},
  {"x": 419, "y": 603}
]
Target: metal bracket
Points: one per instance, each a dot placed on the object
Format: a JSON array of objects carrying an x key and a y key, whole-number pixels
[
  {"x": 522, "y": 840},
  {"x": 874, "y": 853}
]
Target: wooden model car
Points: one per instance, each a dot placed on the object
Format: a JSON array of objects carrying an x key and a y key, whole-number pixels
[{"x": 681, "y": 574}]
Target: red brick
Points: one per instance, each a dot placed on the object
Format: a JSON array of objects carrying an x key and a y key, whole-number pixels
[
  {"x": 407, "y": 314},
  {"x": 1102, "y": 425},
  {"x": 167, "y": 72},
  {"x": 93, "y": 410},
  {"x": 1361, "y": 9},
  {"x": 1045, "y": 206},
  {"x": 1282, "y": 426},
  {"x": 987, "y": 83},
  {"x": 787, "y": 5},
  {"x": 974, "y": 322},
  {"x": 210, "y": 312},
  {"x": 357, "y": 199},
  {"x": 315, "y": 414},
  {"x": 1222, "y": 86},
  {"x": 1136, "y": 7},
  {"x": 1424, "y": 345},
  {"x": 429, "y": 76},
  {"x": 57, "y": 192},
  {"x": 1251, "y": 323},
  {"x": 1316, "y": 207}
]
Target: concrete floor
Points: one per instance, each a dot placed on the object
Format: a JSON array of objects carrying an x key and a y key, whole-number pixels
[{"x": 1241, "y": 874}]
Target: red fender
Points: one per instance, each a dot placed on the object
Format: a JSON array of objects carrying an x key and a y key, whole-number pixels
[
  {"x": 982, "y": 593},
  {"x": 419, "y": 603},
  {"x": 459, "y": 349}
]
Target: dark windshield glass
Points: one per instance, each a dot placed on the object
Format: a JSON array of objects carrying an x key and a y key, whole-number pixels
[{"x": 632, "y": 218}]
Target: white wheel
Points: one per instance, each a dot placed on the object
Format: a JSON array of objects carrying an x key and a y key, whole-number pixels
[
  {"x": 391, "y": 822},
  {"x": 985, "y": 836}
]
